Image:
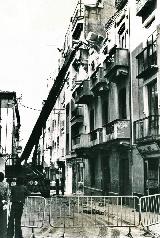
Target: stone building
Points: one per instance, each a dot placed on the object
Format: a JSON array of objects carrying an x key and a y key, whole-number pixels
[
  {"x": 111, "y": 131},
  {"x": 9, "y": 128}
]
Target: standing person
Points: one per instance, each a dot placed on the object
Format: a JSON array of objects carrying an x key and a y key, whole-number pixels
[
  {"x": 4, "y": 197},
  {"x": 62, "y": 185},
  {"x": 18, "y": 195}
]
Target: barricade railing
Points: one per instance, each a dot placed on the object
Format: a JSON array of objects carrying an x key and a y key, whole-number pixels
[
  {"x": 150, "y": 210},
  {"x": 89, "y": 211},
  {"x": 33, "y": 213},
  {"x": 92, "y": 211}
]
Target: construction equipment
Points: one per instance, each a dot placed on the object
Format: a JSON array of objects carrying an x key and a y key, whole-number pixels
[{"x": 34, "y": 171}]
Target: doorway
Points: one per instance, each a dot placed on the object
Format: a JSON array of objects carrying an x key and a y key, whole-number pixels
[
  {"x": 151, "y": 176},
  {"x": 106, "y": 183},
  {"x": 123, "y": 175}
]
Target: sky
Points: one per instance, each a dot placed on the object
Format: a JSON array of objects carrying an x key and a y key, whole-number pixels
[{"x": 31, "y": 31}]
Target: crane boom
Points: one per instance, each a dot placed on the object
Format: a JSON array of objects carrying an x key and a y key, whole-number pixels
[{"x": 48, "y": 105}]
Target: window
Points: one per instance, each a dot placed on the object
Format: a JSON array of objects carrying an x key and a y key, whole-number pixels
[
  {"x": 92, "y": 120},
  {"x": 92, "y": 171},
  {"x": 123, "y": 36},
  {"x": 153, "y": 98},
  {"x": 58, "y": 142},
  {"x": 105, "y": 111},
  {"x": 122, "y": 103},
  {"x": 67, "y": 144},
  {"x": 58, "y": 118},
  {"x": 53, "y": 124}
]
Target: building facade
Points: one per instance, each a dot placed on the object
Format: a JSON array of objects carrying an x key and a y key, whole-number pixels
[
  {"x": 9, "y": 129},
  {"x": 111, "y": 102}
]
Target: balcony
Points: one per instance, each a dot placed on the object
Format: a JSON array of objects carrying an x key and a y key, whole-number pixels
[
  {"x": 118, "y": 129},
  {"x": 96, "y": 137},
  {"x": 77, "y": 116},
  {"x": 117, "y": 64},
  {"x": 80, "y": 142},
  {"x": 120, "y": 4},
  {"x": 99, "y": 83},
  {"x": 82, "y": 94},
  {"x": 147, "y": 129},
  {"x": 143, "y": 6},
  {"x": 77, "y": 25},
  {"x": 147, "y": 61}
]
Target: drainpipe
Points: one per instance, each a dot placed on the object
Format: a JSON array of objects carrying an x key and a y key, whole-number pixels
[{"x": 130, "y": 99}]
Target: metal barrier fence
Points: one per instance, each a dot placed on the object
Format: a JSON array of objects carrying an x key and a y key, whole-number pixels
[
  {"x": 92, "y": 211},
  {"x": 33, "y": 213},
  {"x": 150, "y": 210},
  {"x": 76, "y": 212}
]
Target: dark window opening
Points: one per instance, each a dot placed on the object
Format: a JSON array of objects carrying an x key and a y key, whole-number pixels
[
  {"x": 122, "y": 103},
  {"x": 105, "y": 112},
  {"x": 92, "y": 120},
  {"x": 67, "y": 144},
  {"x": 75, "y": 131},
  {"x": 92, "y": 171},
  {"x": 153, "y": 98},
  {"x": 58, "y": 142}
]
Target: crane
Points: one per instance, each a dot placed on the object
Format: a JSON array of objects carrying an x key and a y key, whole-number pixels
[{"x": 37, "y": 171}]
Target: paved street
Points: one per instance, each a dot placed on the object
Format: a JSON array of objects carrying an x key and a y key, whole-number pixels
[
  {"x": 47, "y": 231},
  {"x": 88, "y": 229}
]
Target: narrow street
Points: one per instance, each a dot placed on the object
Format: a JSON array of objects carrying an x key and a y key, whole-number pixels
[
  {"x": 56, "y": 223},
  {"x": 80, "y": 118}
]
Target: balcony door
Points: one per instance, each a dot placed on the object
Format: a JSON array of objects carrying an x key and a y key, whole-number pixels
[
  {"x": 151, "y": 176},
  {"x": 105, "y": 111},
  {"x": 153, "y": 98},
  {"x": 123, "y": 174},
  {"x": 122, "y": 103},
  {"x": 153, "y": 126},
  {"x": 106, "y": 180},
  {"x": 92, "y": 120}
]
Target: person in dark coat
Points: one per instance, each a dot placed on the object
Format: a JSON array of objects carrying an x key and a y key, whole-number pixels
[
  {"x": 18, "y": 195},
  {"x": 4, "y": 197}
]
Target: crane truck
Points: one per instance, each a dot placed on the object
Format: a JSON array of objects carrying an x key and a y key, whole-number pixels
[{"x": 33, "y": 172}]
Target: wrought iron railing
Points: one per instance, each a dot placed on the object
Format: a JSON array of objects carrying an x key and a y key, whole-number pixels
[
  {"x": 147, "y": 59},
  {"x": 147, "y": 127}
]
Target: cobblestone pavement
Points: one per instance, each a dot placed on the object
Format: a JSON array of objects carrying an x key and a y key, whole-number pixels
[
  {"x": 102, "y": 232},
  {"x": 88, "y": 230}
]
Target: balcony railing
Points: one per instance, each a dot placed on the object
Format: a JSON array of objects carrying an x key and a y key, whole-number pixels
[
  {"x": 77, "y": 115},
  {"x": 80, "y": 141},
  {"x": 83, "y": 94},
  {"x": 98, "y": 82},
  {"x": 118, "y": 129},
  {"x": 117, "y": 64},
  {"x": 143, "y": 5},
  {"x": 147, "y": 129},
  {"x": 96, "y": 137},
  {"x": 147, "y": 61}
]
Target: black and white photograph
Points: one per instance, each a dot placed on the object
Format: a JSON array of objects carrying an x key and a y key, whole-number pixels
[{"x": 79, "y": 118}]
